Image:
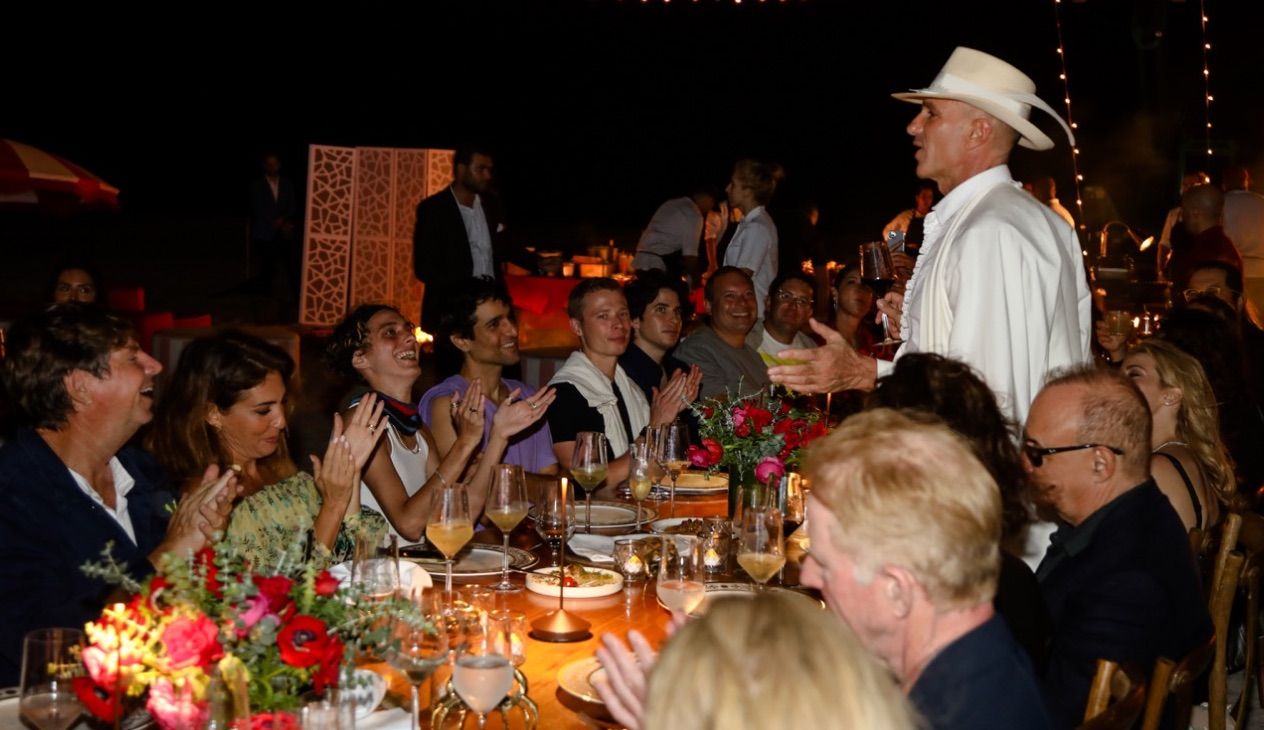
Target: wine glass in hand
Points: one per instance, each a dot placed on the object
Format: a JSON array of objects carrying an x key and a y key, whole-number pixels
[
  {"x": 50, "y": 661},
  {"x": 449, "y": 526},
  {"x": 761, "y": 551},
  {"x": 506, "y": 506},
  {"x": 418, "y": 650},
  {"x": 588, "y": 466},
  {"x": 877, "y": 271}
]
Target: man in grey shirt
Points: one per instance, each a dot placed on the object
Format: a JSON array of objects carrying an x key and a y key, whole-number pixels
[{"x": 719, "y": 348}]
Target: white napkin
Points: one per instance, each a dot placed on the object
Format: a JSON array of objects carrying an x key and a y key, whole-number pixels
[{"x": 597, "y": 548}]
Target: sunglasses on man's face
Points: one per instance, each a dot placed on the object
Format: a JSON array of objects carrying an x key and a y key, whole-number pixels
[{"x": 1036, "y": 454}]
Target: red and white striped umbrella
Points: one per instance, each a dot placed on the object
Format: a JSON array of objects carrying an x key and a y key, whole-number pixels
[{"x": 26, "y": 171}]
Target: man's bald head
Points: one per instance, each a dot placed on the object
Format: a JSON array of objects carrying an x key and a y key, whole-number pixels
[{"x": 1201, "y": 207}]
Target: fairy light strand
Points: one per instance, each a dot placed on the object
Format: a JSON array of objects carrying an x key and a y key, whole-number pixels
[
  {"x": 1066, "y": 98},
  {"x": 1202, "y": 14}
]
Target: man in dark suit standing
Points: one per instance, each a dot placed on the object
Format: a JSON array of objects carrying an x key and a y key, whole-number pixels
[
  {"x": 458, "y": 233},
  {"x": 1119, "y": 578},
  {"x": 274, "y": 247}
]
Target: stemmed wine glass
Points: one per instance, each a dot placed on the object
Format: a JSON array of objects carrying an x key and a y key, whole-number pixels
[
  {"x": 588, "y": 466},
  {"x": 506, "y": 506},
  {"x": 449, "y": 526},
  {"x": 483, "y": 675},
  {"x": 555, "y": 520},
  {"x": 418, "y": 650},
  {"x": 640, "y": 475},
  {"x": 680, "y": 576},
  {"x": 672, "y": 446},
  {"x": 877, "y": 271},
  {"x": 50, "y": 661},
  {"x": 761, "y": 550}
]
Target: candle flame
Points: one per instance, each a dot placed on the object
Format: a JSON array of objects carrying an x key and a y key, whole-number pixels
[
  {"x": 1146, "y": 243},
  {"x": 422, "y": 337}
]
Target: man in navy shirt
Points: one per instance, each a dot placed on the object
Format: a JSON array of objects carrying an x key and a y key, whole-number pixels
[{"x": 69, "y": 483}]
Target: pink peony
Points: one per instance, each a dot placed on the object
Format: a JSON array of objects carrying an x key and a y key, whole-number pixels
[
  {"x": 191, "y": 641},
  {"x": 174, "y": 711},
  {"x": 769, "y": 469},
  {"x": 253, "y": 611}
]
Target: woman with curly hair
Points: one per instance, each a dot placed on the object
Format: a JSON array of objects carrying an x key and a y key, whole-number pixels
[
  {"x": 375, "y": 345},
  {"x": 1189, "y": 462}
]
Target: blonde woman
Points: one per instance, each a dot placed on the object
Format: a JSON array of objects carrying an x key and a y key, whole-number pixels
[
  {"x": 1189, "y": 462},
  {"x": 775, "y": 660}
]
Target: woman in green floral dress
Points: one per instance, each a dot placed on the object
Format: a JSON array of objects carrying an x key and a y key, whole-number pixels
[{"x": 226, "y": 404}]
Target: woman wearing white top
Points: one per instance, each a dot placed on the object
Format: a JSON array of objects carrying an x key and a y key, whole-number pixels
[
  {"x": 754, "y": 243},
  {"x": 375, "y": 344}
]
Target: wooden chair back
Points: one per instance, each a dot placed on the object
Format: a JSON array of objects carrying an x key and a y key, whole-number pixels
[
  {"x": 1116, "y": 697},
  {"x": 1176, "y": 681},
  {"x": 1224, "y": 590}
]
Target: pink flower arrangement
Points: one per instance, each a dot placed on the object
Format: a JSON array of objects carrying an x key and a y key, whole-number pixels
[
  {"x": 759, "y": 436},
  {"x": 284, "y": 634}
]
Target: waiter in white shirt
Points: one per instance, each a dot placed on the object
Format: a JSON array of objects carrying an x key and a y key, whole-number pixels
[
  {"x": 753, "y": 247},
  {"x": 670, "y": 241}
]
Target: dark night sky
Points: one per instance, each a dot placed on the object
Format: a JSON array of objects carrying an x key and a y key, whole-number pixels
[{"x": 601, "y": 109}]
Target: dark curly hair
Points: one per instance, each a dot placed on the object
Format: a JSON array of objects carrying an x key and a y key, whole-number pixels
[
  {"x": 46, "y": 347},
  {"x": 643, "y": 290},
  {"x": 952, "y": 391},
  {"x": 350, "y": 337},
  {"x": 215, "y": 370}
]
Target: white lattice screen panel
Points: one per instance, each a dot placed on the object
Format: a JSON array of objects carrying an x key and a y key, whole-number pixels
[{"x": 361, "y": 210}]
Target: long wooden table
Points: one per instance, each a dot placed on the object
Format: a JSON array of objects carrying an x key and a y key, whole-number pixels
[{"x": 635, "y": 607}]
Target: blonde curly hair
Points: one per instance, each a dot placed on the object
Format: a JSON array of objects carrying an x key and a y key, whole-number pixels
[{"x": 1198, "y": 420}]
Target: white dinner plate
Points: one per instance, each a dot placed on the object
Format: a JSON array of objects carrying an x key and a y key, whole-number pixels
[
  {"x": 609, "y": 514},
  {"x": 536, "y": 584},
  {"x": 576, "y": 679},
  {"x": 736, "y": 590},
  {"x": 478, "y": 560}
]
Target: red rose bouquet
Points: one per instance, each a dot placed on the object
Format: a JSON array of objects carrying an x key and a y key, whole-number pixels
[
  {"x": 275, "y": 635},
  {"x": 757, "y": 438}
]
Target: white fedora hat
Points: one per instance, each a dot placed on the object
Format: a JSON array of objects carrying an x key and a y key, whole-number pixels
[{"x": 988, "y": 83}]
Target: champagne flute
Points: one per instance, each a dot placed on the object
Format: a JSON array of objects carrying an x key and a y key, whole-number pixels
[
  {"x": 877, "y": 271},
  {"x": 50, "y": 661},
  {"x": 483, "y": 676},
  {"x": 640, "y": 476},
  {"x": 680, "y": 577},
  {"x": 555, "y": 520},
  {"x": 673, "y": 446},
  {"x": 761, "y": 551},
  {"x": 506, "y": 506},
  {"x": 588, "y": 466},
  {"x": 449, "y": 526},
  {"x": 418, "y": 650}
]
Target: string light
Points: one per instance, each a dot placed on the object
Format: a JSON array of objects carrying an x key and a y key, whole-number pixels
[
  {"x": 1202, "y": 13},
  {"x": 1066, "y": 99}
]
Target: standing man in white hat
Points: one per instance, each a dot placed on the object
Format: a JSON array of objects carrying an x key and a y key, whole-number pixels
[{"x": 1000, "y": 281}]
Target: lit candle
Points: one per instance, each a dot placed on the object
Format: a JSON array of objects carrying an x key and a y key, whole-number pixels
[
  {"x": 633, "y": 565},
  {"x": 711, "y": 558}
]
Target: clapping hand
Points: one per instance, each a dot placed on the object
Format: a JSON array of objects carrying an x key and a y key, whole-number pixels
[
  {"x": 365, "y": 428},
  {"x": 467, "y": 413},
  {"x": 202, "y": 514},
  {"x": 680, "y": 391},
  {"x": 512, "y": 416},
  {"x": 624, "y": 687}
]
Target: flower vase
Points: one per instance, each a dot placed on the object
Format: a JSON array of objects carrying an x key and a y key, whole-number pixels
[{"x": 744, "y": 489}]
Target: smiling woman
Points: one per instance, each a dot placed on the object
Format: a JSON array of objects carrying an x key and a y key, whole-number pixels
[{"x": 226, "y": 405}]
